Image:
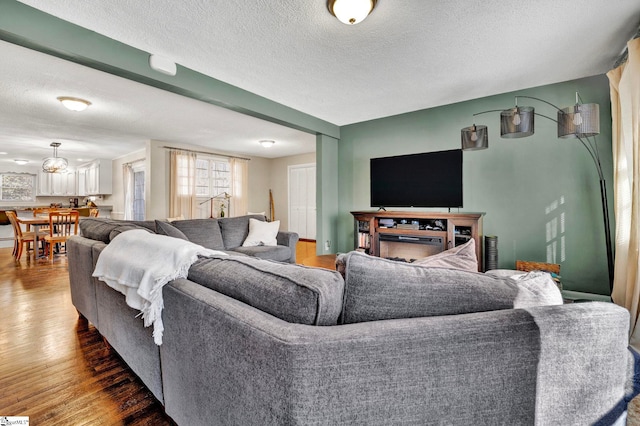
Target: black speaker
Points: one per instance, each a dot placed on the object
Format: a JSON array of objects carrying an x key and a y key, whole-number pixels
[{"x": 490, "y": 252}]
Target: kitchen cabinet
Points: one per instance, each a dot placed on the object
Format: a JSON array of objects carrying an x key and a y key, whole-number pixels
[
  {"x": 56, "y": 184},
  {"x": 94, "y": 178}
]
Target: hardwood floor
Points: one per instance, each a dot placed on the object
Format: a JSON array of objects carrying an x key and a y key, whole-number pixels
[{"x": 55, "y": 367}]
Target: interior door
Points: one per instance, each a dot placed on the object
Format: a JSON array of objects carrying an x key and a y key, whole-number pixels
[{"x": 302, "y": 200}]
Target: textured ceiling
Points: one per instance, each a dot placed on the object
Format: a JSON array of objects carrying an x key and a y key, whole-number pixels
[
  {"x": 123, "y": 115},
  {"x": 407, "y": 55}
]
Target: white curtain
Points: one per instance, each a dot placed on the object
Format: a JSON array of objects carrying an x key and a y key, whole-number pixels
[
  {"x": 182, "y": 191},
  {"x": 625, "y": 110},
  {"x": 239, "y": 202},
  {"x": 127, "y": 179}
]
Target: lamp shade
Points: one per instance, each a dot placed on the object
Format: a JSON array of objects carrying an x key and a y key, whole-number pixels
[
  {"x": 517, "y": 122},
  {"x": 474, "y": 138},
  {"x": 580, "y": 120}
]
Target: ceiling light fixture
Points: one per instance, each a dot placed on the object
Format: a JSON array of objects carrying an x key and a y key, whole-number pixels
[
  {"x": 74, "y": 104},
  {"x": 54, "y": 164},
  {"x": 21, "y": 162},
  {"x": 351, "y": 12},
  {"x": 267, "y": 143}
]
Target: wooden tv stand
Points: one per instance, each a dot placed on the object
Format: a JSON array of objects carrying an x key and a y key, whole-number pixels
[{"x": 411, "y": 235}]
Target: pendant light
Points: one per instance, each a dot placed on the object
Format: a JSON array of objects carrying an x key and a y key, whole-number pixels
[{"x": 54, "y": 164}]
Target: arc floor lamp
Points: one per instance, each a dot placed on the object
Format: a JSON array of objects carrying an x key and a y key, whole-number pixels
[{"x": 580, "y": 121}]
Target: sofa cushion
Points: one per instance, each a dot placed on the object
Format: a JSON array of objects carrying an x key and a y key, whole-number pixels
[
  {"x": 278, "y": 253},
  {"x": 292, "y": 293},
  {"x": 383, "y": 289},
  {"x": 461, "y": 257},
  {"x": 123, "y": 228},
  {"x": 204, "y": 232},
  {"x": 235, "y": 230},
  {"x": 165, "y": 228},
  {"x": 262, "y": 233},
  {"x": 100, "y": 228}
]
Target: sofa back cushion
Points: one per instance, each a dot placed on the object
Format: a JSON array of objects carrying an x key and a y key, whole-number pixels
[
  {"x": 204, "y": 232},
  {"x": 378, "y": 289},
  {"x": 100, "y": 229},
  {"x": 235, "y": 229},
  {"x": 292, "y": 293}
]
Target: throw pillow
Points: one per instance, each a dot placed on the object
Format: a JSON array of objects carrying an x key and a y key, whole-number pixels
[
  {"x": 460, "y": 257},
  {"x": 204, "y": 232},
  {"x": 165, "y": 228},
  {"x": 262, "y": 233},
  {"x": 377, "y": 289}
]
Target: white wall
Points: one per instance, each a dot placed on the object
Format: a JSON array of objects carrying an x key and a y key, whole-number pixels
[
  {"x": 279, "y": 184},
  {"x": 264, "y": 174}
]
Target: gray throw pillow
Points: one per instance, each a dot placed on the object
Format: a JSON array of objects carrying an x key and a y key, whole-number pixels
[
  {"x": 204, "y": 232},
  {"x": 165, "y": 228},
  {"x": 377, "y": 289}
]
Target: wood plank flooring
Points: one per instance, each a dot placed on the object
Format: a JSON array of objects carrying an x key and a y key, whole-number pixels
[{"x": 55, "y": 367}]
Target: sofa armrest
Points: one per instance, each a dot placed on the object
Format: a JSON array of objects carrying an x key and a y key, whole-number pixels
[
  {"x": 513, "y": 366},
  {"x": 289, "y": 239}
]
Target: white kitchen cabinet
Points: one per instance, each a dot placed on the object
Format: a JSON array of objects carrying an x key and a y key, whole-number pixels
[
  {"x": 95, "y": 178},
  {"x": 56, "y": 184}
]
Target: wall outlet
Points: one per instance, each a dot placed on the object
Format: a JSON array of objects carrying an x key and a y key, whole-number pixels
[{"x": 327, "y": 245}]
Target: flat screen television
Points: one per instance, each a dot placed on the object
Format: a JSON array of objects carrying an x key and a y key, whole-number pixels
[{"x": 430, "y": 179}]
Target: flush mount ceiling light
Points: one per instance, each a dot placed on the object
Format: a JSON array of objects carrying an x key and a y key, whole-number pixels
[
  {"x": 74, "y": 104},
  {"x": 54, "y": 164},
  {"x": 351, "y": 12},
  {"x": 267, "y": 143},
  {"x": 21, "y": 162}
]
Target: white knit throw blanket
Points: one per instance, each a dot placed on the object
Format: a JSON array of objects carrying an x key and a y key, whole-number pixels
[{"x": 138, "y": 264}]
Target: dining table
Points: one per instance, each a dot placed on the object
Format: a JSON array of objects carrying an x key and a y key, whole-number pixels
[{"x": 36, "y": 222}]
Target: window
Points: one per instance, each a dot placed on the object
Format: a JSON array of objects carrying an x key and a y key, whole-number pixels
[
  {"x": 17, "y": 187},
  {"x": 138, "y": 194},
  {"x": 213, "y": 176}
]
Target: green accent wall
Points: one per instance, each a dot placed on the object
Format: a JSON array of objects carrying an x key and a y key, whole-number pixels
[
  {"x": 327, "y": 212},
  {"x": 541, "y": 194}
]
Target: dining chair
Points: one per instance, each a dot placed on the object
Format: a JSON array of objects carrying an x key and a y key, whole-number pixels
[
  {"x": 62, "y": 225},
  {"x": 4, "y": 220},
  {"x": 94, "y": 212},
  {"x": 21, "y": 238}
]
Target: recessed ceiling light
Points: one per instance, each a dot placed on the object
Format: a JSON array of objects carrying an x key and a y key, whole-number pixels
[
  {"x": 74, "y": 104},
  {"x": 21, "y": 162},
  {"x": 267, "y": 143},
  {"x": 3, "y": 153}
]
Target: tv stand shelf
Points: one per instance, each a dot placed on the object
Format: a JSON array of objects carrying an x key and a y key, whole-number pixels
[{"x": 406, "y": 235}]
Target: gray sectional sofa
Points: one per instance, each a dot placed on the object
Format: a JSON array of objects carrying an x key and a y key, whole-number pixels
[{"x": 249, "y": 341}]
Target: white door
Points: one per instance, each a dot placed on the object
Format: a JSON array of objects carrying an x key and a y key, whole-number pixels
[{"x": 302, "y": 200}]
